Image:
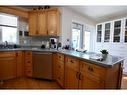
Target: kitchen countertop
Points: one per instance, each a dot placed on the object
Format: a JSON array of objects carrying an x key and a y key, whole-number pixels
[{"x": 87, "y": 56}]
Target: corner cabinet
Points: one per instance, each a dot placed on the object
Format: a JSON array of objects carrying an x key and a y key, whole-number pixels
[{"x": 44, "y": 22}]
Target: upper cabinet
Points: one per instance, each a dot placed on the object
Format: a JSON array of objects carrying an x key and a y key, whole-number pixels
[
  {"x": 107, "y": 32},
  {"x": 44, "y": 22},
  {"x": 112, "y": 31},
  {"x": 53, "y": 22},
  {"x": 117, "y": 31},
  {"x": 125, "y": 31},
  {"x": 99, "y": 33}
]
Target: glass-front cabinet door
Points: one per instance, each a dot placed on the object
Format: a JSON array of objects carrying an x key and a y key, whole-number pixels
[
  {"x": 125, "y": 35},
  {"x": 107, "y": 32},
  {"x": 99, "y": 32},
  {"x": 117, "y": 31}
]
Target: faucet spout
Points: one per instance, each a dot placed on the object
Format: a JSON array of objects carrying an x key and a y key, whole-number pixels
[{"x": 6, "y": 43}]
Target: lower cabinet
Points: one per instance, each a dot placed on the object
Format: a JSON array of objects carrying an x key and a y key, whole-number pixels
[
  {"x": 28, "y": 66},
  {"x": 71, "y": 73},
  {"x": 20, "y": 64},
  {"x": 80, "y": 74},
  {"x": 7, "y": 65},
  {"x": 60, "y": 69}
]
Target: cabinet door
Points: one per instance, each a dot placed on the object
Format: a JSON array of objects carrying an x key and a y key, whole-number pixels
[
  {"x": 125, "y": 31},
  {"x": 89, "y": 81},
  {"x": 71, "y": 73},
  {"x": 33, "y": 23},
  {"x": 60, "y": 73},
  {"x": 20, "y": 64},
  {"x": 28, "y": 64},
  {"x": 117, "y": 31},
  {"x": 7, "y": 68},
  {"x": 42, "y": 23},
  {"x": 107, "y": 32},
  {"x": 52, "y": 22},
  {"x": 99, "y": 33}
]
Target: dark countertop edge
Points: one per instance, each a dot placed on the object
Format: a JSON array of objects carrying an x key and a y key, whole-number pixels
[{"x": 92, "y": 61}]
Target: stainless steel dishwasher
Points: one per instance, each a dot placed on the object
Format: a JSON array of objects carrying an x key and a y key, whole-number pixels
[{"x": 42, "y": 65}]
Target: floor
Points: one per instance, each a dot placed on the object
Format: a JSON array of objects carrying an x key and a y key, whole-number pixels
[{"x": 28, "y": 83}]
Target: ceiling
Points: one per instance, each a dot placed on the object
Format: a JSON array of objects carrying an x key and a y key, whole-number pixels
[{"x": 101, "y": 13}]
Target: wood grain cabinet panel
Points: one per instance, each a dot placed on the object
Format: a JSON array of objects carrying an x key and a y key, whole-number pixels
[
  {"x": 33, "y": 23},
  {"x": 28, "y": 64},
  {"x": 71, "y": 73},
  {"x": 44, "y": 22},
  {"x": 60, "y": 69},
  {"x": 20, "y": 64},
  {"x": 7, "y": 65},
  {"x": 80, "y": 74}
]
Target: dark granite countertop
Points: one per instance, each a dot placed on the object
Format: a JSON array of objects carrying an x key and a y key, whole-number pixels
[{"x": 87, "y": 56}]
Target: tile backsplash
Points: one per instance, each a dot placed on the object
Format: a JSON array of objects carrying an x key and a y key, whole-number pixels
[{"x": 33, "y": 41}]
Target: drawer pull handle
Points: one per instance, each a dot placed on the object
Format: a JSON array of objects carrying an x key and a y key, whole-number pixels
[
  {"x": 28, "y": 61},
  {"x": 71, "y": 61},
  {"x": 90, "y": 69},
  {"x": 77, "y": 75},
  {"x": 80, "y": 76}
]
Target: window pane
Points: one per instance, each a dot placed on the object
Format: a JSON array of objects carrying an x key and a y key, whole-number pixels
[
  {"x": 76, "y": 38},
  {"x": 8, "y": 20},
  {"x": 8, "y": 28},
  {"x": 9, "y": 34},
  {"x": 87, "y": 40}
]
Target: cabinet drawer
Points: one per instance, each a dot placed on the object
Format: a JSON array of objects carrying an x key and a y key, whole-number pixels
[
  {"x": 92, "y": 69},
  {"x": 60, "y": 57},
  {"x": 72, "y": 62},
  {"x": 28, "y": 63},
  {"x": 8, "y": 54},
  {"x": 60, "y": 78},
  {"x": 28, "y": 71},
  {"x": 28, "y": 54}
]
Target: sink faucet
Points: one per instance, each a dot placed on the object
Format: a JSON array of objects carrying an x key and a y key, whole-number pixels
[{"x": 6, "y": 43}]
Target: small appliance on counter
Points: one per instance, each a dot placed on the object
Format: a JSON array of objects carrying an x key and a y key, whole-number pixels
[{"x": 53, "y": 43}]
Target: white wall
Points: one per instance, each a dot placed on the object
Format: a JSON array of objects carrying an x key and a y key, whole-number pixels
[{"x": 68, "y": 16}]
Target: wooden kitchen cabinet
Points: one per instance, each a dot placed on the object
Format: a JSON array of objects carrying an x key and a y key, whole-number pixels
[
  {"x": 80, "y": 74},
  {"x": 44, "y": 22},
  {"x": 60, "y": 69},
  {"x": 20, "y": 64},
  {"x": 7, "y": 65},
  {"x": 71, "y": 73},
  {"x": 91, "y": 76},
  {"x": 33, "y": 29},
  {"x": 53, "y": 22},
  {"x": 28, "y": 64}
]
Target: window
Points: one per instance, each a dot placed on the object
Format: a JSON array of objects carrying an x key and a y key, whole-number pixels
[
  {"x": 8, "y": 28},
  {"x": 86, "y": 40},
  {"x": 77, "y": 35}
]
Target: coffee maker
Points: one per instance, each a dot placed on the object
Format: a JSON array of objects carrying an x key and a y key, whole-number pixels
[{"x": 53, "y": 43}]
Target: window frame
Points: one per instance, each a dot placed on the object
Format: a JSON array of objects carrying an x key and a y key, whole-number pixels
[
  {"x": 81, "y": 34},
  {"x": 17, "y": 26}
]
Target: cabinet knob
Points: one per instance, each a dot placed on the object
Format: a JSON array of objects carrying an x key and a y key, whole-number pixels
[
  {"x": 80, "y": 76},
  {"x": 77, "y": 75},
  {"x": 71, "y": 61}
]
